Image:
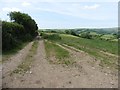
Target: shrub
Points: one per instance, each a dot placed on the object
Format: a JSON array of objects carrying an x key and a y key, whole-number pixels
[
  {"x": 27, "y": 37},
  {"x": 11, "y": 32},
  {"x": 53, "y": 31},
  {"x": 86, "y": 35},
  {"x": 51, "y": 36},
  {"x": 54, "y": 37},
  {"x": 22, "y": 28},
  {"x": 67, "y": 31}
]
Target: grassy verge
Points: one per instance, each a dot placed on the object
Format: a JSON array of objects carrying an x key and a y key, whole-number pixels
[
  {"x": 26, "y": 64},
  {"x": 56, "y": 54}
]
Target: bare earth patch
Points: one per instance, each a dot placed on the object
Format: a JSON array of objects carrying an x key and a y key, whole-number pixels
[
  {"x": 85, "y": 73},
  {"x": 12, "y": 63}
]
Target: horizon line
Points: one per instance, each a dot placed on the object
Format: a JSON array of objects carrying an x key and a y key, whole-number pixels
[{"x": 82, "y": 28}]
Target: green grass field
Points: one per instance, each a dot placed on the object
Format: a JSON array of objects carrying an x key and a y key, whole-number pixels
[
  {"x": 108, "y": 37},
  {"x": 94, "y": 47},
  {"x": 111, "y": 47}
]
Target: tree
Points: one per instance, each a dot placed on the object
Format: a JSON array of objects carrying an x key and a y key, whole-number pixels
[
  {"x": 25, "y": 20},
  {"x": 21, "y": 28},
  {"x": 86, "y": 35},
  {"x": 73, "y": 32},
  {"x": 67, "y": 31}
]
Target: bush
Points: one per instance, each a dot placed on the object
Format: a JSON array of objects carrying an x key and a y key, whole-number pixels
[
  {"x": 22, "y": 28},
  {"x": 27, "y": 37},
  {"x": 54, "y": 37},
  {"x": 45, "y": 36},
  {"x": 51, "y": 36},
  {"x": 8, "y": 42},
  {"x": 86, "y": 35},
  {"x": 67, "y": 31},
  {"x": 11, "y": 32},
  {"x": 53, "y": 31}
]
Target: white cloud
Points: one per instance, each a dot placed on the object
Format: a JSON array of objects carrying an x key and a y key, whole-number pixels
[
  {"x": 7, "y": 9},
  {"x": 53, "y": 10},
  {"x": 95, "y": 6},
  {"x": 77, "y": 10},
  {"x": 25, "y": 4},
  {"x": 74, "y": 10}
]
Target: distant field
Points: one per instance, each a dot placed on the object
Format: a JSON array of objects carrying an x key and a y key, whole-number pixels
[
  {"x": 64, "y": 35},
  {"x": 94, "y": 33},
  {"x": 108, "y": 37}
]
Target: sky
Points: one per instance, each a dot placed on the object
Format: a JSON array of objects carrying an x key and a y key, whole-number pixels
[{"x": 60, "y": 14}]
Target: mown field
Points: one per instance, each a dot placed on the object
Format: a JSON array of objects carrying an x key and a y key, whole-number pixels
[{"x": 105, "y": 51}]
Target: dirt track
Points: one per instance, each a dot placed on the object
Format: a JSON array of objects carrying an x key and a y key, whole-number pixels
[{"x": 85, "y": 73}]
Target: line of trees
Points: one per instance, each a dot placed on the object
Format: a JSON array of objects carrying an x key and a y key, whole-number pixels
[
  {"x": 83, "y": 34},
  {"x": 22, "y": 28}
]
